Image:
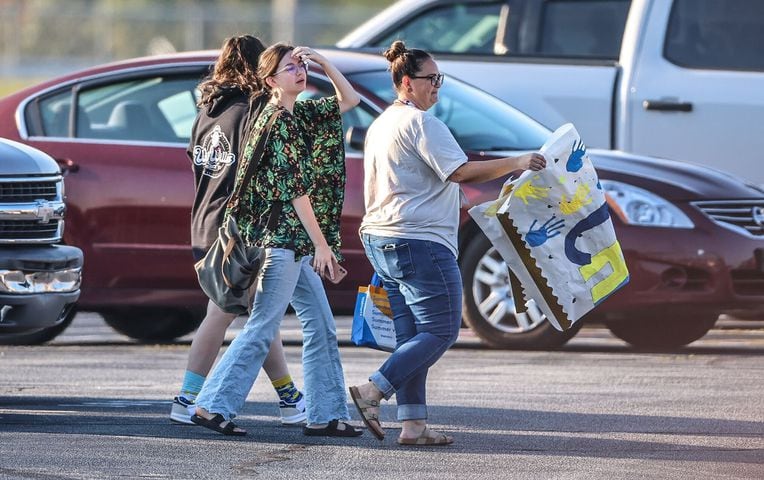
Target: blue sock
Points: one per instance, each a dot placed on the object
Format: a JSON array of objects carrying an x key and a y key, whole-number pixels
[{"x": 192, "y": 385}]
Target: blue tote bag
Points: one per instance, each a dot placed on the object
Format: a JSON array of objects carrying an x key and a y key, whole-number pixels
[{"x": 372, "y": 319}]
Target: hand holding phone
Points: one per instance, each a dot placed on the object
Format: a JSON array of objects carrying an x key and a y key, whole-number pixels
[{"x": 339, "y": 272}]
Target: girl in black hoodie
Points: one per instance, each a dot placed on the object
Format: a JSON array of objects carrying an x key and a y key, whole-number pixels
[{"x": 218, "y": 137}]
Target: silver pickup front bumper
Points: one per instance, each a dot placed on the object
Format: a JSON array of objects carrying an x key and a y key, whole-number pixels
[{"x": 36, "y": 284}]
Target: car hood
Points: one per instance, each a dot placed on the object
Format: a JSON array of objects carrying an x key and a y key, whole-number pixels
[
  {"x": 19, "y": 159},
  {"x": 671, "y": 179}
]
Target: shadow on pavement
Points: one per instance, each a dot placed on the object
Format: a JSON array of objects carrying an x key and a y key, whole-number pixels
[{"x": 489, "y": 431}]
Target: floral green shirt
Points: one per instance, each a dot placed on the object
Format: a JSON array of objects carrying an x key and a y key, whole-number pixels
[{"x": 304, "y": 155}]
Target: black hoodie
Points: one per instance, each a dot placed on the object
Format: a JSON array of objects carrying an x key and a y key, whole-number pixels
[{"x": 218, "y": 136}]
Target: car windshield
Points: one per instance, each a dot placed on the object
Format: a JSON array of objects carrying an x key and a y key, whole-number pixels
[{"x": 478, "y": 121}]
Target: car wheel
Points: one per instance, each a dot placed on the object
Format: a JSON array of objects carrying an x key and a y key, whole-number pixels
[
  {"x": 39, "y": 337},
  {"x": 489, "y": 308},
  {"x": 673, "y": 332},
  {"x": 153, "y": 324}
]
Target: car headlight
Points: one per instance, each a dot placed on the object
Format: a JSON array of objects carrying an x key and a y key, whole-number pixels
[
  {"x": 637, "y": 206},
  {"x": 22, "y": 282}
]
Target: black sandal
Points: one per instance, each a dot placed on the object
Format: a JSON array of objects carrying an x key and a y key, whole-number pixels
[
  {"x": 216, "y": 422},
  {"x": 331, "y": 430}
]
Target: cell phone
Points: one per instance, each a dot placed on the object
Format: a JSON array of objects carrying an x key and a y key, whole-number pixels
[{"x": 339, "y": 273}]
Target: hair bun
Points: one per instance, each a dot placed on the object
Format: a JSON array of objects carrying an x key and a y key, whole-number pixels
[{"x": 397, "y": 49}]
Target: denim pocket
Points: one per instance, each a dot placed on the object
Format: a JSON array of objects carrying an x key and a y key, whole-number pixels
[{"x": 397, "y": 259}]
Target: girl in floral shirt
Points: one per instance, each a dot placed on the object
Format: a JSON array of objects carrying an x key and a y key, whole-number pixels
[{"x": 293, "y": 207}]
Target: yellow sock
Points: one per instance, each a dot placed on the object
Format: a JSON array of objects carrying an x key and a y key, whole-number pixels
[
  {"x": 282, "y": 382},
  {"x": 285, "y": 389}
]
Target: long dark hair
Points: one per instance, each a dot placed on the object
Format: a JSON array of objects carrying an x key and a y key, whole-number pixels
[
  {"x": 236, "y": 67},
  {"x": 404, "y": 61}
]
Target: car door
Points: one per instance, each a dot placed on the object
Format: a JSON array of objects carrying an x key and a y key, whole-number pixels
[
  {"x": 129, "y": 183},
  {"x": 696, "y": 92}
]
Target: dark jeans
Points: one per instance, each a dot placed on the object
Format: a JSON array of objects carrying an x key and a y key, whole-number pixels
[{"x": 424, "y": 287}]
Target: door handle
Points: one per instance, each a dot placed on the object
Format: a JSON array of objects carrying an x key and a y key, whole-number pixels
[
  {"x": 67, "y": 166},
  {"x": 667, "y": 106}
]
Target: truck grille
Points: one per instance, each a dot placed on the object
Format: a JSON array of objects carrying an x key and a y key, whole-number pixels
[
  {"x": 27, "y": 191},
  {"x": 745, "y": 216},
  {"x": 18, "y": 231}
]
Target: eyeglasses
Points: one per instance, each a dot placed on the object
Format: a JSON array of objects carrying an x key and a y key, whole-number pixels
[
  {"x": 292, "y": 68},
  {"x": 436, "y": 79}
]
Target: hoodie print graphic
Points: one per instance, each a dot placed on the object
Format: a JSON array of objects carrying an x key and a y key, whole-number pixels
[{"x": 214, "y": 154}]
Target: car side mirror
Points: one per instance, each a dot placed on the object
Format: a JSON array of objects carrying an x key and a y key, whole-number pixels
[{"x": 355, "y": 138}]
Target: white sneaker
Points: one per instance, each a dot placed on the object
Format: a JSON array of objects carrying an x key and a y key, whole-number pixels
[
  {"x": 182, "y": 410},
  {"x": 293, "y": 413}
]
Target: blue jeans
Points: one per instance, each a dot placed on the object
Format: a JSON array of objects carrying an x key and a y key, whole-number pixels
[
  {"x": 282, "y": 279},
  {"x": 424, "y": 287}
]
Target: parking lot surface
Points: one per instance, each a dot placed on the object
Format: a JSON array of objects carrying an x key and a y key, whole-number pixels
[{"x": 94, "y": 404}]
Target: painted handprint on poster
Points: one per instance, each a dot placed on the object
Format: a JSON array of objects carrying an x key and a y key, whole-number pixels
[
  {"x": 553, "y": 229},
  {"x": 576, "y": 157},
  {"x": 549, "y": 229}
]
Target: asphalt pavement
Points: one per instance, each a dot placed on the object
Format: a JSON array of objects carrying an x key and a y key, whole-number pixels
[{"x": 94, "y": 404}]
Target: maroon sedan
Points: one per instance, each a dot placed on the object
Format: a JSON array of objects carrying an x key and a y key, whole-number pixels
[{"x": 693, "y": 238}]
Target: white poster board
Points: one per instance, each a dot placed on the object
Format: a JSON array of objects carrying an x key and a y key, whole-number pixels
[{"x": 553, "y": 229}]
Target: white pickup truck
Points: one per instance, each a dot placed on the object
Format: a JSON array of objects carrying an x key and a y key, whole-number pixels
[{"x": 680, "y": 79}]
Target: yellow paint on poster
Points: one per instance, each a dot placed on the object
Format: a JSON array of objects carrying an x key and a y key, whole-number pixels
[
  {"x": 577, "y": 202},
  {"x": 611, "y": 255},
  {"x": 529, "y": 190}
]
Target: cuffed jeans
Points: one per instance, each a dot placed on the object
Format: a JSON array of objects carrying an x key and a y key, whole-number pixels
[
  {"x": 281, "y": 279},
  {"x": 424, "y": 286}
]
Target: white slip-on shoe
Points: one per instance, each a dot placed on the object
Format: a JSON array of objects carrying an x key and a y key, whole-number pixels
[
  {"x": 182, "y": 410},
  {"x": 293, "y": 413}
]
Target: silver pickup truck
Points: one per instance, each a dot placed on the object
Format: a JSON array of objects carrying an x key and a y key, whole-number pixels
[
  {"x": 39, "y": 279},
  {"x": 678, "y": 79}
]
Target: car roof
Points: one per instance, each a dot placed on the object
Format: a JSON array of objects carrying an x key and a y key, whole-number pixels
[
  {"x": 346, "y": 61},
  {"x": 342, "y": 59}
]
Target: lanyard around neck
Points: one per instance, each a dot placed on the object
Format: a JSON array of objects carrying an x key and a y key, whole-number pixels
[{"x": 406, "y": 102}]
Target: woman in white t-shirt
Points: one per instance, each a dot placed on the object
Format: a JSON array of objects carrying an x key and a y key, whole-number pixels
[{"x": 412, "y": 168}]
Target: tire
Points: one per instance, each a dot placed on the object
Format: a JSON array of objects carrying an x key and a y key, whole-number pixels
[
  {"x": 153, "y": 324},
  {"x": 662, "y": 332},
  {"x": 489, "y": 308},
  {"x": 38, "y": 337}
]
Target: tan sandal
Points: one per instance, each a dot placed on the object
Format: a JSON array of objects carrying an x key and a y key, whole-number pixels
[
  {"x": 427, "y": 438},
  {"x": 370, "y": 419}
]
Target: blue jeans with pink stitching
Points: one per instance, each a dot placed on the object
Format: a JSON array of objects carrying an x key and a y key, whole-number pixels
[{"x": 424, "y": 286}]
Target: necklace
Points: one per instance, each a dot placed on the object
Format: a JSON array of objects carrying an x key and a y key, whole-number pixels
[{"x": 406, "y": 102}]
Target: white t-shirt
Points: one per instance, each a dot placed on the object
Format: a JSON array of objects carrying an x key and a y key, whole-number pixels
[{"x": 408, "y": 157}]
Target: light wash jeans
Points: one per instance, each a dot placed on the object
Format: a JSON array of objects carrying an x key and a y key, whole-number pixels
[
  {"x": 281, "y": 279},
  {"x": 424, "y": 286}
]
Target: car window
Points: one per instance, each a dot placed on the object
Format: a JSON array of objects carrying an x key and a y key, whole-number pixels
[
  {"x": 158, "y": 109},
  {"x": 455, "y": 28},
  {"x": 54, "y": 114},
  {"x": 180, "y": 111},
  {"x": 582, "y": 28},
  {"x": 478, "y": 121},
  {"x": 360, "y": 116},
  {"x": 716, "y": 35}
]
